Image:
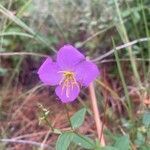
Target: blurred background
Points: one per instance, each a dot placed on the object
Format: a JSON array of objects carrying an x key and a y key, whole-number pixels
[{"x": 32, "y": 28}]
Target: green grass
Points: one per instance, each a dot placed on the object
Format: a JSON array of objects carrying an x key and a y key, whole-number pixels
[{"x": 33, "y": 28}]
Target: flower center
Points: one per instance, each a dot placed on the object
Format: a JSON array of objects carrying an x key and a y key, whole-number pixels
[{"x": 68, "y": 82}]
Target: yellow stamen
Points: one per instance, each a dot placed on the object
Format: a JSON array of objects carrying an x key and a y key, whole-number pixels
[{"x": 68, "y": 82}]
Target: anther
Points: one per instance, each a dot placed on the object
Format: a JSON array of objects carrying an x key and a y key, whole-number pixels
[{"x": 68, "y": 82}]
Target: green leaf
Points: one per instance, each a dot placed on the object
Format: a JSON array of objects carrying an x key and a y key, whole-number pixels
[
  {"x": 140, "y": 139},
  {"x": 83, "y": 141},
  {"x": 146, "y": 119},
  {"x": 145, "y": 147},
  {"x": 66, "y": 138},
  {"x": 109, "y": 148},
  {"x": 64, "y": 141},
  {"x": 122, "y": 143},
  {"x": 78, "y": 118}
]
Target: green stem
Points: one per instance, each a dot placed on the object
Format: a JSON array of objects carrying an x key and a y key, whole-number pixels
[{"x": 123, "y": 82}]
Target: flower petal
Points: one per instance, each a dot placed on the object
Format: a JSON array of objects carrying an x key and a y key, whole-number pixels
[
  {"x": 48, "y": 73},
  {"x": 68, "y": 57},
  {"x": 62, "y": 94},
  {"x": 86, "y": 72}
]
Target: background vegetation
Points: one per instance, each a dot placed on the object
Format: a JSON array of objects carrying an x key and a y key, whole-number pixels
[{"x": 115, "y": 34}]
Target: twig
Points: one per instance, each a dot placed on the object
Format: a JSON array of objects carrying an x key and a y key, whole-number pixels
[
  {"x": 22, "y": 54},
  {"x": 44, "y": 141},
  {"x": 120, "y": 47},
  {"x": 96, "y": 115},
  {"x": 30, "y": 93},
  {"x": 25, "y": 142},
  {"x": 30, "y": 135},
  {"x": 124, "y": 59},
  {"x": 95, "y": 35}
]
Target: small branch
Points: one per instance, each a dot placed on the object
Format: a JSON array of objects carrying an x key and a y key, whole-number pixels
[
  {"x": 22, "y": 54},
  {"x": 122, "y": 60},
  {"x": 44, "y": 141},
  {"x": 96, "y": 115},
  {"x": 121, "y": 47},
  {"x": 25, "y": 142},
  {"x": 30, "y": 135}
]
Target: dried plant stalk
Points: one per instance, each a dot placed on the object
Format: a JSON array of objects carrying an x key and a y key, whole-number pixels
[{"x": 96, "y": 115}]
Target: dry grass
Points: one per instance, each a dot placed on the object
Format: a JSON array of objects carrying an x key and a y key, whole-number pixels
[{"x": 24, "y": 125}]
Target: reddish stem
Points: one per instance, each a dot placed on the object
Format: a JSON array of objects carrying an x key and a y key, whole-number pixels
[{"x": 98, "y": 122}]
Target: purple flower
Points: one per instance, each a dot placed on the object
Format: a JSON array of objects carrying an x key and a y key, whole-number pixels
[{"x": 69, "y": 73}]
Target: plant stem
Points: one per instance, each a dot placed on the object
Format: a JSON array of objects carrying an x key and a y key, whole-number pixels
[
  {"x": 96, "y": 115},
  {"x": 68, "y": 116}
]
